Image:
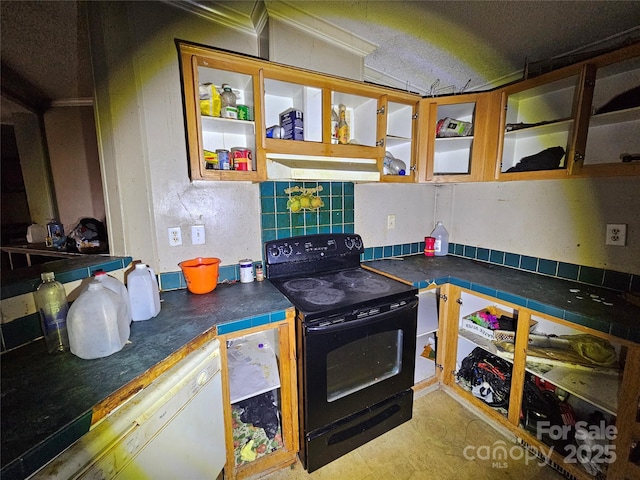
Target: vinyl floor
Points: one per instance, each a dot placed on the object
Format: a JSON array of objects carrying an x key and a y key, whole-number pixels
[{"x": 444, "y": 440}]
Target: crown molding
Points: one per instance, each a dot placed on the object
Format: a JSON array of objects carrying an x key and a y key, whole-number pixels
[
  {"x": 72, "y": 102},
  {"x": 217, "y": 13},
  {"x": 319, "y": 28}
]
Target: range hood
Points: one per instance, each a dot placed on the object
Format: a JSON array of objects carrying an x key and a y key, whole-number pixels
[{"x": 282, "y": 166}]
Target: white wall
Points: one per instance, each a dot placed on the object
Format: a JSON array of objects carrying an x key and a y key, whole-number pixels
[
  {"x": 142, "y": 138},
  {"x": 75, "y": 166},
  {"x": 562, "y": 220},
  {"x": 144, "y": 163},
  {"x": 412, "y": 205}
]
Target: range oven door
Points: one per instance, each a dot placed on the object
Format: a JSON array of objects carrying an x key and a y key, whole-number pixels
[{"x": 351, "y": 366}]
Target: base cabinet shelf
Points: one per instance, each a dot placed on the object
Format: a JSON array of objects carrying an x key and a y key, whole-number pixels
[
  {"x": 426, "y": 372},
  {"x": 568, "y": 393},
  {"x": 260, "y": 399}
]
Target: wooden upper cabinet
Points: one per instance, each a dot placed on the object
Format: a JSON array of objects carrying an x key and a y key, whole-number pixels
[
  {"x": 206, "y": 131},
  {"x": 399, "y": 122},
  {"x": 580, "y": 120},
  {"x": 380, "y": 119},
  {"x": 551, "y": 126},
  {"x": 457, "y": 136},
  {"x": 613, "y": 136}
]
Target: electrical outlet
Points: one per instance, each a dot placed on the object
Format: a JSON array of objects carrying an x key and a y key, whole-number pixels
[
  {"x": 391, "y": 221},
  {"x": 197, "y": 234},
  {"x": 616, "y": 234},
  {"x": 175, "y": 237}
]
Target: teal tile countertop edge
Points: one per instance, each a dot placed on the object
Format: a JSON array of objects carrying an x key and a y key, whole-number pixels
[
  {"x": 25, "y": 280},
  {"x": 548, "y": 295},
  {"x": 57, "y": 393}
]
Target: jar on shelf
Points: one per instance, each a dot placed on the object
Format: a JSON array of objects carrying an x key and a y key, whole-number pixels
[{"x": 228, "y": 99}]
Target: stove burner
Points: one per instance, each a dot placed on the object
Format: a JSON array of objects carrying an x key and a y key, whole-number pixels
[
  {"x": 304, "y": 284},
  {"x": 371, "y": 285},
  {"x": 324, "y": 296},
  {"x": 363, "y": 281}
]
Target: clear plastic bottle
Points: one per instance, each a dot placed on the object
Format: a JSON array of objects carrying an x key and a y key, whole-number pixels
[
  {"x": 115, "y": 286},
  {"x": 343, "y": 126},
  {"x": 228, "y": 99},
  {"x": 51, "y": 302},
  {"x": 442, "y": 240},
  {"x": 143, "y": 293},
  {"x": 98, "y": 323}
]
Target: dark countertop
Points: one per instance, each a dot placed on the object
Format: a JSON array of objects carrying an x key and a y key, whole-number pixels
[
  {"x": 56, "y": 396},
  {"x": 48, "y": 400},
  {"x": 544, "y": 294}
]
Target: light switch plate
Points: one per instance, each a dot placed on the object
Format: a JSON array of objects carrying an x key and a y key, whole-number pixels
[
  {"x": 391, "y": 221},
  {"x": 197, "y": 235}
]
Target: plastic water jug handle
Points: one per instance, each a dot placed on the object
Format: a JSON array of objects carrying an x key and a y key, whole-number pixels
[{"x": 153, "y": 274}]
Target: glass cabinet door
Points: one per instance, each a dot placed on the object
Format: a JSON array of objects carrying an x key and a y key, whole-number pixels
[
  {"x": 544, "y": 124},
  {"x": 615, "y": 121},
  {"x": 399, "y": 141},
  {"x": 457, "y": 136},
  {"x": 221, "y": 145}
]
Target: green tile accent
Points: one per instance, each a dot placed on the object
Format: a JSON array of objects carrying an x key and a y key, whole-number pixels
[
  {"x": 568, "y": 271},
  {"x": 336, "y": 216},
  {"x": 624, "y": 282},
  {"x": 256, "y": 321}
]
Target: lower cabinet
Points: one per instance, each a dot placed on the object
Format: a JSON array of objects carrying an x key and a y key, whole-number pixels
[
  {"x": 427, "y": 337},
  {"x": 571, "y": 395},
  {"x": 260, "y": 396}
]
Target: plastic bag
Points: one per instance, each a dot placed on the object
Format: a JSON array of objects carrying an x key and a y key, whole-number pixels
[
  {"x": 210, "y": 101},
  {"x": 88, "y": 236}
]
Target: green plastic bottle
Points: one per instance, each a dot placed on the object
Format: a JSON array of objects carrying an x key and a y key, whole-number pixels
[{"x": 51, "y": 302}]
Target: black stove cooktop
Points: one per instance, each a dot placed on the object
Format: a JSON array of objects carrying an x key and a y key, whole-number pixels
[{"x": 321, "y": 275}]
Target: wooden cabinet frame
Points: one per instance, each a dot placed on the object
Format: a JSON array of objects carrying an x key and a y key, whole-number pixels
[
  {"x": 288, "y": 396},
  {"x": 192, "y": 57},
  {"x": 627, "y": 423},
  {"x": 585, "y": 73}
]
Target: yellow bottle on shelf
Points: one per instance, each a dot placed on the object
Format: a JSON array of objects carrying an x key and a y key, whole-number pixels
[{"x": 343, "y": 126}]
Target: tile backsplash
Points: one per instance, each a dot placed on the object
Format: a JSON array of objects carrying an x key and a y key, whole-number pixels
[{"x": 335, "y": 216}]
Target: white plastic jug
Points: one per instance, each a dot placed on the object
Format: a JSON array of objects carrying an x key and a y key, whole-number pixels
[
  {"x": 144, "y": 295},
  {"x": 97, "y": 322},
  {"x": 116, "y": 286},
  {"x": 442, "y": 240}
]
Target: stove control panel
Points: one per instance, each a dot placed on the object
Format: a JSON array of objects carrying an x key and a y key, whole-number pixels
[{"x": 310, "y": 248}]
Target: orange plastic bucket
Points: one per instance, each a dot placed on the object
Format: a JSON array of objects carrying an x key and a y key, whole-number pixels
[{"x": 201, "y": 274}]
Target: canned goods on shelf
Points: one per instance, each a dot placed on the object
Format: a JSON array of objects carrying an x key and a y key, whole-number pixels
[
  {"x": 275, "y": 131},
  {"x": 241, "y": 159},
  {"x": 211, "y": 160},
  {"x": 224, "y": 159},
  {"x": 244, "y": 112},
  {"x": 229, "y": 112}
]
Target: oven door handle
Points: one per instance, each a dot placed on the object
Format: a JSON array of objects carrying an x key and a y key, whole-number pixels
[{"x": 336, "y": 327}]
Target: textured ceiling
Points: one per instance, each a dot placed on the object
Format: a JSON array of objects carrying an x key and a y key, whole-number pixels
[{"x": 479, "y": 44}]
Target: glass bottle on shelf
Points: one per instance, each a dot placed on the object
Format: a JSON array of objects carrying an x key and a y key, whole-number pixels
[
  {"x": 335, "y": 120},
  {"x": 343, "y": 126},
  {"x": 228, "y": 100}
]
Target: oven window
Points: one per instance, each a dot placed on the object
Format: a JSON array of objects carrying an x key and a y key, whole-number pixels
[{"x": 362, "y": 363}]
